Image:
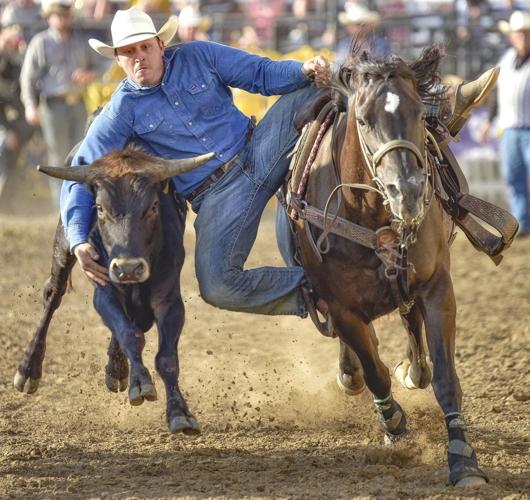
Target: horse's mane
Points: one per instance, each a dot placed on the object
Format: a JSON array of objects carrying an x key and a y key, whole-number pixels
[{"x": 361, "y": 64}]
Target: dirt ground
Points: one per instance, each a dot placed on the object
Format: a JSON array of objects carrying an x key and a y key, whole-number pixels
[{"x": 274, "y": 423}]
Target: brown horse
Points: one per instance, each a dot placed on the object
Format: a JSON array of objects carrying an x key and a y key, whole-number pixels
[{"x": 373, "y": 169}]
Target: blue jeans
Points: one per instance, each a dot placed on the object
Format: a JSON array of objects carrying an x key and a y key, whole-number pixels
[
  {"x": 515, "y": 154},
  {"x": 228, "y": 215}
]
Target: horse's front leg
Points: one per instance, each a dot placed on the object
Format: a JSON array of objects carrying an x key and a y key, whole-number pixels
[
  {"x": 439, "y": 310},
  {"x": 359, "y": 336},
  {"x": 414, "y": 372}
]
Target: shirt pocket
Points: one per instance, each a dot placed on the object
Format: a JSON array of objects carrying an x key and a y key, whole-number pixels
[
  {"x": 206, "y": 98},
  {"x": 150, "y": 122}
]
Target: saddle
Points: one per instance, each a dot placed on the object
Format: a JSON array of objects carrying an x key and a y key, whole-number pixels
[{"x": 470, "y": 213}]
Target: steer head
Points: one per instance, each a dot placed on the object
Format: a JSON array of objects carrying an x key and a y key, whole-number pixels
[{"x": 127, "y": 186}]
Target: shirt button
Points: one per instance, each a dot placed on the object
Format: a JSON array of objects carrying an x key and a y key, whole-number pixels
[
  {"x": 176, "y": 103},
  {"x": 150, "y": 125},
  {"x": 190, "y": 123},
  {"x": 204, "y": 139},
  {"x": 203, "y": 85},
  {"x": 221, "y": 155}
]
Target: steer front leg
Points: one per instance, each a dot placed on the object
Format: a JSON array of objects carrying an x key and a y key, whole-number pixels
[
  {"x": 131, "y": 340},
  {"x": 439, "y": 311},
  {"x": 62, "y": 263}
]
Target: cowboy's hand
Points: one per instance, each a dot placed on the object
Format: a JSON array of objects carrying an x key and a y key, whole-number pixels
[
  {"x": 87, "y": 257},
  {"x": 319, "y": 69}
]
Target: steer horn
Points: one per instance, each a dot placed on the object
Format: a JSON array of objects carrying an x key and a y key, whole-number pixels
[
  {"x": 176, "y": 167},
  {"x": 67, "y": 173},
  {"x": 170, "y": 168}
]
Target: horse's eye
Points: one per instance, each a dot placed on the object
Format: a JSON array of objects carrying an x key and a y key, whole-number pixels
[
  {"x": 154, "y": 207},
  {"x": 100, "y": 210},
  {"x": 361, "y": 122}
]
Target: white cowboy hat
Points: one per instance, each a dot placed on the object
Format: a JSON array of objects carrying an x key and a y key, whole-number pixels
[
  {"x": 50, "y": 6},
  {"x": 133, "y": 26},
  {"x": 519, "y": 21},
  {"x": 358, "y": 14},
  {"x": 191, "y": 17}
]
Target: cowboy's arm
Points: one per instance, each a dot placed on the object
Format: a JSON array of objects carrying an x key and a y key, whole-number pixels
[
  {"x": 106, "y": 133},
  {"x": 253, "y": 73}
]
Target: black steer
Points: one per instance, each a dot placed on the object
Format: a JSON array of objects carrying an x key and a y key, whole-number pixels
[{"x": 138, "y": 232}]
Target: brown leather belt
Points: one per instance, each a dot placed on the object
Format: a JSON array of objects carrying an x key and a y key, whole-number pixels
[{"x": 217, "y": 174}]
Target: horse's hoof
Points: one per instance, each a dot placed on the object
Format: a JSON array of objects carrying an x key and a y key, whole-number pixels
[
  {"x": 20, "y": 383},
  {"x": 392, "y": 439},
  {"x": 135, "y": 397},
  {"x": 401, "y": 372},
  {"x": 346, "y": 385},
  {"x": 148, "y": 392},
  {"x": 33, "y": 385},
  {"x": 186, "y": 425},
  {"x": 470, "y": 482}
]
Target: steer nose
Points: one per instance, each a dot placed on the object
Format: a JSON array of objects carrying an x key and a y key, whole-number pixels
[{"x": 127, "y": 270}]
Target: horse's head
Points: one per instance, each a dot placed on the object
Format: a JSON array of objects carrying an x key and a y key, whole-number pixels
[{"x": 386, "y": 111}]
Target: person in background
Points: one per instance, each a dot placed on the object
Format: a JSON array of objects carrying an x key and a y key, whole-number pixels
[
  {"x": 361, "y": 24},
  {"x": 57, "y": 66},
  {"x": 25, "y": 14},
  {"x": 192, "y": 24},
  {"x": 15, "y": 131},
  {"x": 512, "y": 107}
]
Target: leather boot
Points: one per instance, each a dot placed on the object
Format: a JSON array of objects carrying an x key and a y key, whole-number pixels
[{"x": 468, "y": 96}]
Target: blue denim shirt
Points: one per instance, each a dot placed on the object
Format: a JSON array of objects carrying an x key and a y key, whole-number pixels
[{"x": 191, "y": 112}]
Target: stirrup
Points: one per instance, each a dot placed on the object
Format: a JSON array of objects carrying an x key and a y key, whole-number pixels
[{"x": 324, "y": 327}]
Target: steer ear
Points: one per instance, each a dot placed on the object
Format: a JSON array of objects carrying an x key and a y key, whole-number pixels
[
  {"x": 176, "y": 167},
  {"x": 67, "y": 173}
]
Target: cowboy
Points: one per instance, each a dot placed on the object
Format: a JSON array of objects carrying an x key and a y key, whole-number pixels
[
  {"x": 176, "y": 103},
  {"x": 513, "y": 109},
  {"x": 57, "y": 66}
]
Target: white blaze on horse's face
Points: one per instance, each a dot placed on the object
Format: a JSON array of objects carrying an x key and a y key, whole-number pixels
[{"x": 392, "y": 102}]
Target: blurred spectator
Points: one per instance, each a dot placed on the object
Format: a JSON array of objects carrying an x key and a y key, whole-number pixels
[
  {"x": 15, "y": 132},
  {"x": 513, "y": 110},
  {"x": 24, "y": 13},
  {"x": 264, "y": 16},
  {"x": 192, "y": 24},
  {"x": 57, "y": 66},
  {"x": 361, "y": 24}
]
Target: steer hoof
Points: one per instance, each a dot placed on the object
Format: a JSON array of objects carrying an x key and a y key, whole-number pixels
[
  {"x": 184, "y": 424},
  {"x": 20, "y": 382},
  {"x": 138, "y": 393}
]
